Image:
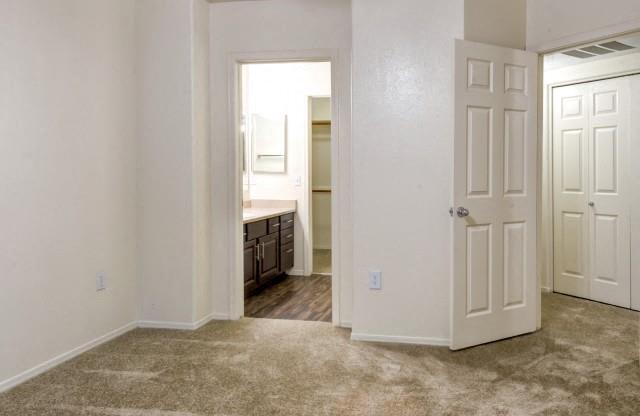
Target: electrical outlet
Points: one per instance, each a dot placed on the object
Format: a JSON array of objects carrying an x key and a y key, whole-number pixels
[
  {"x": 375, "y": 280},
  {"x": 101, "y": 281}
]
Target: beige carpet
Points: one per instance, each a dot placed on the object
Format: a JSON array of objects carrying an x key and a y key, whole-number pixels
[{"x": 584, "y": 362}]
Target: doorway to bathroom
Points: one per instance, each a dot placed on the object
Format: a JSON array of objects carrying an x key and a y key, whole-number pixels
[{"x": 285, "y": 134}]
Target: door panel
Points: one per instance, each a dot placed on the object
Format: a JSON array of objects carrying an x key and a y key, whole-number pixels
[
  {"x": 268, "y": 256},
  {"x": 515, "y": 160},
  {"x": 515, "y": 267},
  {"x": 495, "y": 154},
  {"x": 591, "y": 202},
  {"x": 479, "y": 269},
  {"x": 479, "y": 143},
  {"x": 250, "y": 267},
  {"x": 609, "y": 167},
  {"x": 570, "y": 170}
]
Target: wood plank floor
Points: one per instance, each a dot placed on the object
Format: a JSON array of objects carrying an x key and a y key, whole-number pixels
[{"x": 295, "y": 297}]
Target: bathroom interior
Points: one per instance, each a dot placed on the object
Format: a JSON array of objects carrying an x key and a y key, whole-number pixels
[{"x": 287, "y": 189}]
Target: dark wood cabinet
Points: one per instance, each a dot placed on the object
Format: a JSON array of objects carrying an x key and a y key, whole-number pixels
[
  {"x": 250, "y": 266},
  {"x": 268, "y": 251},
  {"x": 268, "y": 264},
  {"x": 286, "y": 256}
]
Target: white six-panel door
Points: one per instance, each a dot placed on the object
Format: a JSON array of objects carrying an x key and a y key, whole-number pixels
[
  {"x": 592, "y": 241},
  {"x": 495, "y": 164}
]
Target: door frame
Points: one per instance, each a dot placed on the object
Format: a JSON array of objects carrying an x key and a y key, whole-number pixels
[
  {"x": 547, "y": 237},
  {"x": 340, "y": 167}
]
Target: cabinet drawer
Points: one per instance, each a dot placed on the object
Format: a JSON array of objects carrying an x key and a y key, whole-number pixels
[
  {"x": 256, "y": 230},
  {"x": 286, "y": 236},
  {"x": 286, "y": 256},
  {"x": 274, "y": 224},
  {"x": 286, "y": 221}
]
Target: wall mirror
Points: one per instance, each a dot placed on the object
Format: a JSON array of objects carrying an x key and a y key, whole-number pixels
[{"x": 269, "y": 143}]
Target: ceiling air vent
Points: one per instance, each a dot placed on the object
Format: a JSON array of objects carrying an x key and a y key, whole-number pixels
[
  {"x": 578, "y": 54},
  {"x": 617, "y": 46},
  {"x": 596, "y": 50}
]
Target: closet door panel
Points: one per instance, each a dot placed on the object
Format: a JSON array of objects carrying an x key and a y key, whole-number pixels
[
  {"x": 634, "y": 154},
  {"x": 570, "y": 188},
  {"x": 609, "y": 192}
]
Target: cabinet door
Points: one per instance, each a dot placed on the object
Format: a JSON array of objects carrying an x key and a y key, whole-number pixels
[
  {"x": 286, "y": 257},
  {"x": 268, "y": 247},
  {"x": 250, "y": 267}
]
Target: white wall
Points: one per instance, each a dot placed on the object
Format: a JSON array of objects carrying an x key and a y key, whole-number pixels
[
  {"x": 285, "y": 88},
  {"x": 403, "y": 134},
  {"x": 552, "y": 23},
  {"x": 201, "y": 148},
  {"x": 496, "y": 22},
  {"x": 275, "y": 25},
  {"x": 67, "y": 174},
  {"x": 173, "y": 161}
]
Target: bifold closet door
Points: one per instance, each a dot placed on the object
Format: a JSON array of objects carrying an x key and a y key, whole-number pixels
[
  {"x": 570, "y": 194},
  {"x": 592, "y": 191}
]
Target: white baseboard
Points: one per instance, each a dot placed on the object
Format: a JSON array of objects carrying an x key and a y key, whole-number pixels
[
  {"x": 184, "y": 326},
  {"x": 218, "y": 316},
  {"x": 545, "y": 289},
  {"x": 440, "y": 342},
  {"x": 47, "y": 365},
  {"x": 296, "y": 272},
  {"x": 345, "y": 324},
  {"x": 203, "y": 321}
]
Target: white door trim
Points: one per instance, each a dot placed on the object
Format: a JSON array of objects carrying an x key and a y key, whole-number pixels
[
  {"x": 545, "y": 98},
  {"x": 340, "y": 170},
  {"x": 546, "y": 255},
  {"x": 579, "y": 39}
]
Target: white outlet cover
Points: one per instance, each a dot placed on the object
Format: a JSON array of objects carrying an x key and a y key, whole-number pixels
[
  {"x": 375, "y": 280},
  {"x": 101, "y": 281}
]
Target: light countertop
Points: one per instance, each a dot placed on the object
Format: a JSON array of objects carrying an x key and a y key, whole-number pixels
[{"x": 257, "y": 210}]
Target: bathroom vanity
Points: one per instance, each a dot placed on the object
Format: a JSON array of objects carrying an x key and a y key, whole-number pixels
[{"x": 268, "y": 245}]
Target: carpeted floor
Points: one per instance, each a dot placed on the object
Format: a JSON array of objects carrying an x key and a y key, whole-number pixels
[{"x": 584, "y": 362}]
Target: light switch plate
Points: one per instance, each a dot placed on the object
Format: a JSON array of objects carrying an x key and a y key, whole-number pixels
[{"x": 375, "y": 280}]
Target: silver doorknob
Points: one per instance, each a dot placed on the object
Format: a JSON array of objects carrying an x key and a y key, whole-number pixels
[
  {"x": 462, "y": 212},
  {"x": 592, "y": 204}
]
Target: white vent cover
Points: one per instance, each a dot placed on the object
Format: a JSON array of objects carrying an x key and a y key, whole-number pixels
[{"x": 597, "y": 50}]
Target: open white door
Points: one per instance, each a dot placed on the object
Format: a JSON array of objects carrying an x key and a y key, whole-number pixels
[{"x": 495, "y": 186}]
